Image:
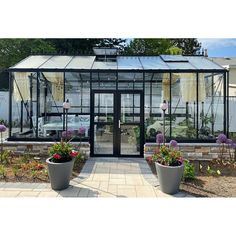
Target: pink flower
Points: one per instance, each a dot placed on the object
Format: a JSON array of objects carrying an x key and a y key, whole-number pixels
[{"x": 56, "y": 156}]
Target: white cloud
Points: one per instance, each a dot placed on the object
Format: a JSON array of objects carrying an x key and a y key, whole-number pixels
[{"x": 216, "y": 43}]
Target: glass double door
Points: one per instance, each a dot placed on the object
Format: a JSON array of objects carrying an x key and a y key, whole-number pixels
[{"x": 117, "y": 121}]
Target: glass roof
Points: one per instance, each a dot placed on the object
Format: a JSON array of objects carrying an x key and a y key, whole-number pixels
[
  {"x": 163, "y": 62},
  {"x": 81, "y": 62},
  {"x": 57, "y": 62},
  {"x": 173, "y": 58},
  {"x": 130, "y": 63},
  {"x": 153, "y": 63}
]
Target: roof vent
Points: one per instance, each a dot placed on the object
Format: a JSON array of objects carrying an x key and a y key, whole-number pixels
[{"x": 105, "y": 54}]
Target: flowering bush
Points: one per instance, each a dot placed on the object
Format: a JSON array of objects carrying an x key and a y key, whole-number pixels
[
  {"x": 168, "y": 155},
  {"x": 226, "y": 144},
  {"x": 63, "y": 152}
]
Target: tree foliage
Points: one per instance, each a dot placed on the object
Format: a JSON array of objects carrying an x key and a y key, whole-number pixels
[
  {"x": 189, "y": 46},
  {"x": 156, "y": 46},
  {"x": 14, "y": 50},
  {"x": 151, "y": 47}
]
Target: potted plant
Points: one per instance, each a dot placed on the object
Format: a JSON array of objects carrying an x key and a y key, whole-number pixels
[
  {"x": 169, "y": 165},
  {"x": 60, "y": 164}
]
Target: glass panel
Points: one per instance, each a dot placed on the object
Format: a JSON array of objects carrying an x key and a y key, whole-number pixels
[
  {"x": 211, "y": 109},
  {"x": 103, "y": 139},
  {"x": 157, "y": 89},
  {"x": 184, "y": 106},
  {"x": 130, "y": 108},
  {"x": 130, "y": 140},
  {"x": 103, "y": 107},
  {"x": 24, "y": 105}
]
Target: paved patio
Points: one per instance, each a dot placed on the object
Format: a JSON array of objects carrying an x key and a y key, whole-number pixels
[{"x": 100, "y": 177}]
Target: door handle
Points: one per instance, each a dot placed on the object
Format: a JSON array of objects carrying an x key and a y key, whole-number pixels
[{"x": 119, "y": 124}]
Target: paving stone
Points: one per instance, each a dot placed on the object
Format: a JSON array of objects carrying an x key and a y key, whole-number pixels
[
  {"x": 117, "y": 176},
  {"x": 28, "y": 194},
  {"x": 83, "y": 192},
  {"x": 48, "y": 194},
  {"x": 128, "y": 192},
  {"x": 9, "y": 193},
  {"x": 117, "y": 181},
  {"x": 70, "y": 192}
]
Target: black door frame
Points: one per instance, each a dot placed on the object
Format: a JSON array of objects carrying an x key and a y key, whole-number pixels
[{"x": 115, "y": 123}]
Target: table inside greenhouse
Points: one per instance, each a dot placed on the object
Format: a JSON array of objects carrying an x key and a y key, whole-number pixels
[{"x": 58, "y": 126}]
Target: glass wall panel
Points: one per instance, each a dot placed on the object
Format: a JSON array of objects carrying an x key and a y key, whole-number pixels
[
  {"x": 104, "y": 81},
  {"x": 24, "y": 104},
  {"x": 184, "y": 105},
  {"x": 131, "y": 81},
  {"x": 157, "y": 89},
  {"x": 211, "y": 109}
]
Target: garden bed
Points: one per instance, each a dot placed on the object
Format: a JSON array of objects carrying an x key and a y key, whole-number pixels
[
  {"x": 27, "y": 168},
  {"x": 217, "y": 180}
]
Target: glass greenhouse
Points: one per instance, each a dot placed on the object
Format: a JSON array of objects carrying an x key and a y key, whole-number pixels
[{"x": 115, "y": 100}]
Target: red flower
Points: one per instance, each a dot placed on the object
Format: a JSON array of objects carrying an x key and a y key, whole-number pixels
[
  {"x": 149, "y": 159},
  {"x": 74, "y": 153},
  {"x": 56, "y": 156}
]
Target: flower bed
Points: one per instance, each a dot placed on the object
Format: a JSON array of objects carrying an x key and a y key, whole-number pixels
[{"x": 27, "y": 168}]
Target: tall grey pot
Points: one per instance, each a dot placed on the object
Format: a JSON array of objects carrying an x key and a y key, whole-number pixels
[
  {"x": 60, "y": 173},
  {"x": 169, "y": 177}
]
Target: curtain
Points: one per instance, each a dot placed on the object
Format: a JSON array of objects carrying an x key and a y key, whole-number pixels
[
  {"x": 57, "y": 80},
  {"x": 188, "y": 86},
  {"x": 21, "y": 86},
  {"x": 166, "y": 84}
]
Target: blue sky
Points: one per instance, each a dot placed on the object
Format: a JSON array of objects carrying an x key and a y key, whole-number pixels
[{"x": 219, "y": 47}]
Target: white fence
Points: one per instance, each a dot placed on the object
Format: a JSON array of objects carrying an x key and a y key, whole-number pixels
[{"x": 4, "y": 105}]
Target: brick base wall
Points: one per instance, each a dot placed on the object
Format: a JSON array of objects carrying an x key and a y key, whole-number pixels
[
  {"x": 192, "y": 151},
  {"x": 39, "y": 148}
]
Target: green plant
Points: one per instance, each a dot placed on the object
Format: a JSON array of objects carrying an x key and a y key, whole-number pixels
[
  {"x": 3, "y": 171},
  {"x": 63, "y": 152},
  {"x": 168, "y": 155},
  {"x": 5, "y": 157},
  {"x": 15, "y": 169},
  {"x": 189, "y": 171},
  {"x": 33, "y": 174}
]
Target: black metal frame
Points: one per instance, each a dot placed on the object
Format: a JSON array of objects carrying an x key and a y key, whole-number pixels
[
  {"x": 226, "y": 93},
  {"x": 117, "y": 117}
]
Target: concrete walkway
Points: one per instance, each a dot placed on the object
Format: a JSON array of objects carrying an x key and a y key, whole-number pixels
[{"x": 100, "y": 177}]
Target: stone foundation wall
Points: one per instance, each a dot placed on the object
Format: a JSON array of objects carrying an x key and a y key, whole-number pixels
[
  {"x": 192, "y": 151},
  {"x": 39, "y": 148}
]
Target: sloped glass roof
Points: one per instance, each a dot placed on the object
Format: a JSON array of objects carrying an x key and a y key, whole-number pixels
[{"x": 163, "y": 62}]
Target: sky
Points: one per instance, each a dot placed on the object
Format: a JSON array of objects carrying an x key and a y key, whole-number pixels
[{"x": 219, "y": 47}]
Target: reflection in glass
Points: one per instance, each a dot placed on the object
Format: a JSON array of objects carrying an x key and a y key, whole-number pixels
[
  {"x": 103, "y": 107},
  {"x": 130, "y": 140},
  {"x": 103, "y": 139}
]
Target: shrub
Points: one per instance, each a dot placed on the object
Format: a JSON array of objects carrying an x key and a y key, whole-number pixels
[{"x": 189, "y": 171}]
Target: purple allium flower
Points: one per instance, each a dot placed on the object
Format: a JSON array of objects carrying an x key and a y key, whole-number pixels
[
  {"x": 233, "y": 145},
  {"x": 3, "y": 128},
  {"x": 159, "y": 138},
  {"x": 67, "y": 134},
  {"x": 229, "y": 141},
  {"x": 221, "y": 138},
  {"x": 81, "y": 130},
  {"x": 173, "y": 143}
]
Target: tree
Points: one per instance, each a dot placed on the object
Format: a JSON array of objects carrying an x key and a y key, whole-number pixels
[
  {"x": 73, "y": 46},
  {"x": 189, "y": 46},
  {"x": 151, "y": 47},
  {"x": 85, "y": 46},
  {"x": 14, "y": 50},
  {"x": 113, "y": 43}
]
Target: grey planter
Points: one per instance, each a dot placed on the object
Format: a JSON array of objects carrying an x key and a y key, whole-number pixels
[
  {"x": 169, "y": 177},
  {"x": 60, "y": 173}
]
